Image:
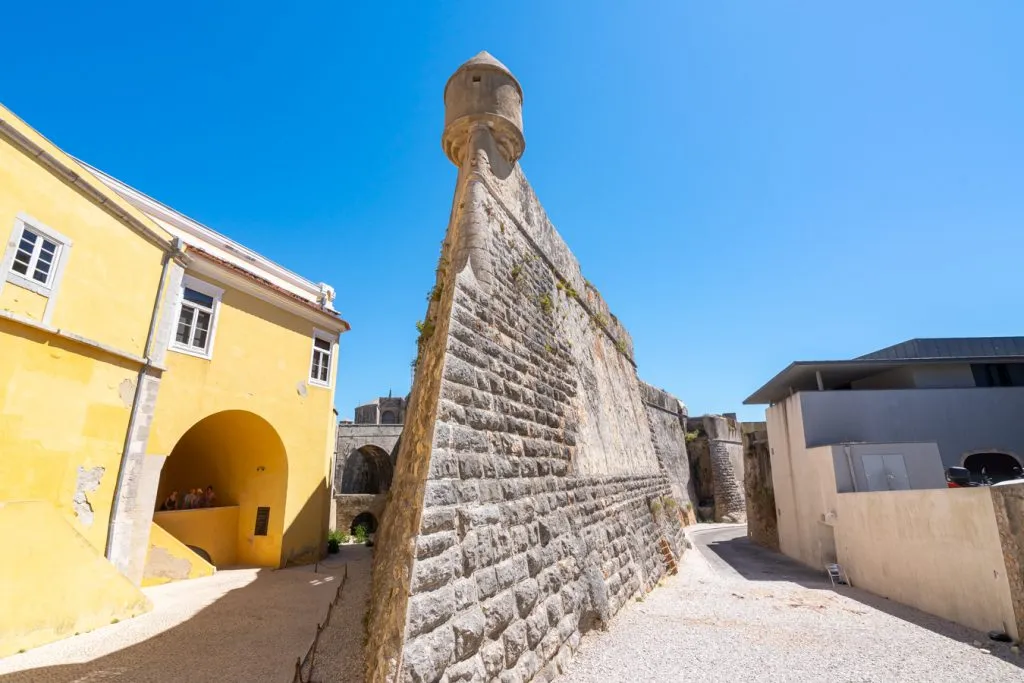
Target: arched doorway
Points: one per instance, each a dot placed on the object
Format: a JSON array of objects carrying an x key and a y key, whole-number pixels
[
  {"x": 241, "y": 456},
  {"x": 365, "y": 520},
  {"x": 367, "y": 470},
  {"x": 995, "y": 466}
]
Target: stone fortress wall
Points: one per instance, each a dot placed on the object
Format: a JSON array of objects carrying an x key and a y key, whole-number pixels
[
  {"x": 667, "y": 417},
  {"x": 529, "y": 501},
  {"x": 715, "y": 449},
  {"x": 762, "y": 522}
]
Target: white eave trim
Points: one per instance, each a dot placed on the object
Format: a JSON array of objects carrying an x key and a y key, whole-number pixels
[
  {"x": 202, "y": 233},
  {"x": 206, "y": 268}
]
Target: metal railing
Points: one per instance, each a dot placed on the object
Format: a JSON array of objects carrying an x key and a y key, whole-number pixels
[{"x": 304, "y": 665}]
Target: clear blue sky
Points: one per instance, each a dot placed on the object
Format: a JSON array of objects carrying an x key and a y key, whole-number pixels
[{"x": 746, "y": 183}]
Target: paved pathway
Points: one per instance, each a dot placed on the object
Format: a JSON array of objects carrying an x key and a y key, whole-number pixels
[
  {"x": 737, "y": 612},
  {"x": 243, "y": 625}
]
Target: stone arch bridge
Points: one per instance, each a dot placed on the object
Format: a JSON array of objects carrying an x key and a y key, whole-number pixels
[{"x": 364, "y": 463}]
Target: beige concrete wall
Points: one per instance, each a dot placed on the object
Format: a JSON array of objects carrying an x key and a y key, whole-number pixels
[
  {"x": 805, "y": 487},
  {"x": 937, "y": 550}
]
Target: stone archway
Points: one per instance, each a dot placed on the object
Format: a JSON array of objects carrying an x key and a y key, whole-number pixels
[
  {"x": 366, "y": 520},
  {"x": 368, "y": 469},
  {"x": 242, "y": 457},
  {"x": 994, "y": 465}
]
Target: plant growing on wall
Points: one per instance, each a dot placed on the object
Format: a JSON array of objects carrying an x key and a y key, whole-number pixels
[
  {"x": 545, "y": 303},
  {"x": 656, "y": 509},
  {"x": 692, "y": 436}
]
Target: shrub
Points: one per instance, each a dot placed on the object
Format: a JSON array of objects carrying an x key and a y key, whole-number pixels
[
  {"x": 656, "y": 507},
  {"x": 670, "y": 503},
  {"x": 361, "y": 533},
  {"x": 692, "y": 436},
  {"x": 335, "y": 539}
]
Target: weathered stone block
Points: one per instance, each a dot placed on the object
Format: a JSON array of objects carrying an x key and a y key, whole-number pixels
[
  {"x": 469, "y": 632},
  {"x": 471, "y": 670},
  {"x": 493, "y": 656},
  {"x": 536, "y": 628},
  {"x": 434, "y": 572},
  {"x": 514, "y": 639},
  {"x": 499, "y": 611},
  {"x": 466, "y": 593},
  {"x": 437, "y": 519},
  {"x": 486, "y": 581},
  {"x": 439, "y": 493},
  {"x": 512, "y": 571},
  {"x": 425, "y": 658},
  {"x": 427, "y": 611},
  {"x": 434, "y": 544},
  {"x": 527, "y": 592}
]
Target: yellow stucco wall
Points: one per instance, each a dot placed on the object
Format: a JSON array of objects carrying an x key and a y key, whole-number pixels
[
  {"x": 107, "y": 261},
  {"x": 260, "y": 365},
  {"x": 936, "y": 549},
  {"x": 215, "y": 530},
  {"x": 61, "y": 410},
  {"x": 64, "y": 405},
  {"x": 168, "y": 559},
  {"x": 22, "y": 302},
  {"x": 53, "y": 582}
]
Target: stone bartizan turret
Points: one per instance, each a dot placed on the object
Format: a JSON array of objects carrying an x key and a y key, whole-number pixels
[{"x": 483, "y": 91}]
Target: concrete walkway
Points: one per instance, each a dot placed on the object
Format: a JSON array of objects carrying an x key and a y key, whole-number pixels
[
  {"x": 241, "y": 625},
  {"x": 737, "y": 612}
]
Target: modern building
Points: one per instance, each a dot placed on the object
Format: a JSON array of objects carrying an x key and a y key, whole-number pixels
[
  {"x": 858, "y": 450},
  {"x": 964, "y": 395},
  {"x": 141, "y": 352}
]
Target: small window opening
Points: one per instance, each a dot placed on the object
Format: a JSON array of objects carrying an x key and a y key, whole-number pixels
[
  {"x": 476, "y": 79},
  {"x": 262, "y": 521}
]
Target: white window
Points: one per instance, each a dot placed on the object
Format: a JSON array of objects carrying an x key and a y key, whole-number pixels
[
  {"x": 197, "y": 317},
  {"x": 35, "y": 256},
  {"x": 320, "y": 365}
]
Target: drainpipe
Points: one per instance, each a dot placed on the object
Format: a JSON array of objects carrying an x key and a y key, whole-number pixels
[{"x": 154, "y": 319}]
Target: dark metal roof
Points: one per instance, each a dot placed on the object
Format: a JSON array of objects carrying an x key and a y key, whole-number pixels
[
  {"x": 950, "y": 347},
  {"x": 803, "y": 375}
]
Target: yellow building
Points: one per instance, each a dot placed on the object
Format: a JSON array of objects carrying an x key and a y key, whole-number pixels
[{"x": 143, "y": 353}]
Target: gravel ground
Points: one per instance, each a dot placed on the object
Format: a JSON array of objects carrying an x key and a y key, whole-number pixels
[
  {"x": 339, "y": 657},
  {"x": 736, "y": 612},
  {"x": 241, "y": 625}
]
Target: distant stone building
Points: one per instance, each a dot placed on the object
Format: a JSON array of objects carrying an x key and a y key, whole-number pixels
[
  {"x": 364, "y": 462},
  {"x": 715, "y": 449},
  {"x": 382, "y": 411}
]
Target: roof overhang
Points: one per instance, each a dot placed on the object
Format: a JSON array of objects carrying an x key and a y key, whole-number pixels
[
  {"x": 206, "y": 264},
  {"x": 805, "y": 375}
]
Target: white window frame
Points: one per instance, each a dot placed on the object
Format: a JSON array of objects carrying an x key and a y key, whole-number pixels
[
  {"x": 217, "y": 293},
  {"x": 332, "y": 339},
  {"x": 23, "y": 222}
]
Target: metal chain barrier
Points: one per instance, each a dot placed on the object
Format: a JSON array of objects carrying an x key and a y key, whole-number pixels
[{"x": 304, "y": 665}]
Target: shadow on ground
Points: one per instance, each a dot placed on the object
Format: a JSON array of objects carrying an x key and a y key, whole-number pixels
[
  {"x": 251, "y": 633},
  {"x": 756, "y": 563}
]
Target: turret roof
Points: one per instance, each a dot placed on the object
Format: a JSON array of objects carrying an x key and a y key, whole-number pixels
[{"x": 485, "y": 59}]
